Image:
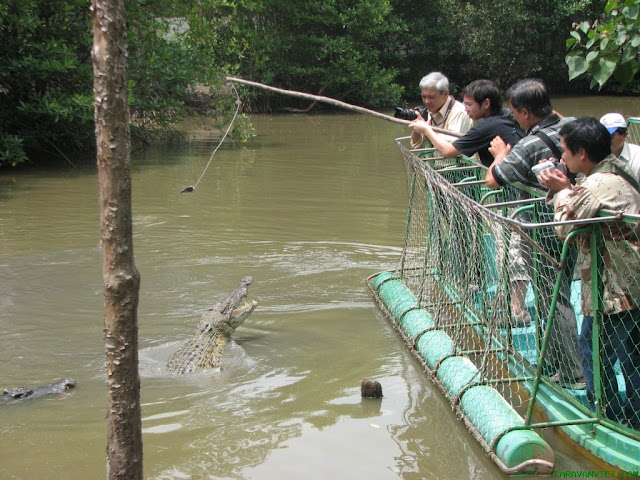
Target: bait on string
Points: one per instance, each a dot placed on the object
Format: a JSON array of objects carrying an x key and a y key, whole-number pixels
[{"x": 191, "y": 188}]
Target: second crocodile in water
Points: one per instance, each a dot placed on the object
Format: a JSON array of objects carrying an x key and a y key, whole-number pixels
[{"x": 204, "y": 349}]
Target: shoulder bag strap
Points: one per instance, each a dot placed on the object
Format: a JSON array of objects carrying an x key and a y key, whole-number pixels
[
  {"x": 549, "y": 143},
  {"x": 618, "y": 170}
]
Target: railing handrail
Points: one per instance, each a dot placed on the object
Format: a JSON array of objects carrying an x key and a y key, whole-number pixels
[{"x": 604, "y": 215}]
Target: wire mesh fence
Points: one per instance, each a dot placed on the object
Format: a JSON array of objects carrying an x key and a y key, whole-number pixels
[
  {"x": 500, "y": 300},
  {"x": 633, "y": 124}
]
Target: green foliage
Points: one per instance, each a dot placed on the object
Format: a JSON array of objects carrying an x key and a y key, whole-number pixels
[
  {"x": 45, "y": 78},
  {"x": 366, "y": 52},
  {"x": 425, "y": 44},
  {"x": 158, "y": 71},
  {"x": 333, "y": 47},
  {"x": 506, "y": 41},
  {"x": 607, "y": 48},
  {"x": 46, "y": 75},
  {"x": 11, "y": 150},
  {"x": 498, "y": 39}
]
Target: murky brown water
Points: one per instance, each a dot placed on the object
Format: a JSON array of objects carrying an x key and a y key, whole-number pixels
[{"x": 309, "y": 208}]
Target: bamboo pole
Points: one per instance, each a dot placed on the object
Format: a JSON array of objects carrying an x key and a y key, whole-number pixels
[{"x": 335, "y": 103}]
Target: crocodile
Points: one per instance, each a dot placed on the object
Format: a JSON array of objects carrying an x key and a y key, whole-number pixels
[
  {"x": 205, "y": 347},
  {"x": 14, "y": 394}
]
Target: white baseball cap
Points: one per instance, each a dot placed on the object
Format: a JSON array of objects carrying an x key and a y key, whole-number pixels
[{"x": 613, "y": 121}]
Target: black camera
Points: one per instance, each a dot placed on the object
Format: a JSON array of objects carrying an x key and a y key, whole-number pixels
[{"x": 410, "y": 113}]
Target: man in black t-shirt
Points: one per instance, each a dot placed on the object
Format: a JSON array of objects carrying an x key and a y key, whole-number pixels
[{"x": 483, "y": 103}]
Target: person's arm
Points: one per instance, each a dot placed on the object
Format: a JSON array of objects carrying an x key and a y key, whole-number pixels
[
  {"x": 417, "y": 138},
  {"x": 574, "y": 203},
  {"x": 499, "y": 150},
  {"x": 458, "y": 121},
  {"x": 444, "y": 147}
]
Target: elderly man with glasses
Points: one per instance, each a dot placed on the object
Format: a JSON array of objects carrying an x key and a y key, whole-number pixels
[{"x": 444, "y": 111}]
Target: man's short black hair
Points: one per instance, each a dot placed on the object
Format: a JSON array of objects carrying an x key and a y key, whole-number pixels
[
  {"x": 480, "y": 90},
  {"x": 587, "y": 133},
  {"x": 532, "y": 94}
]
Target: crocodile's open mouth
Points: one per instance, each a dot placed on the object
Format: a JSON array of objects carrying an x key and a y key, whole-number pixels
[{"x": 238, "y": 315}]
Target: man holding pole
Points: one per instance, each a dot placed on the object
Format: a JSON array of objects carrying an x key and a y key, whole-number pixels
[
  {"x": 444, "y": 111},
  {"x": 482, "y": 101}
]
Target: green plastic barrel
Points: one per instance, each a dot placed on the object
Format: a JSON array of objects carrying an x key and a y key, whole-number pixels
[
  {"x": 457, "y": 372},
  {"x": 492, "y": 416},
  {"x": 416, "y": 321},
  {"x": 489, "y": 411},
  {"x": 396, "y": 297},
  {"x": 433, "y": 346},
  {"x": 519, "y": 446},
  {"x": 381, "y": 277}
]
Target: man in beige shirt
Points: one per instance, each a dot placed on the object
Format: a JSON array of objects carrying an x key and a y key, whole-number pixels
[
  {"x": 445, "y": 112},
  {"x": 628, "y": 153}
]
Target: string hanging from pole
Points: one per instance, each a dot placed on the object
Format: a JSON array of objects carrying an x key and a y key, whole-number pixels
[{"x": 191, "y": 188}]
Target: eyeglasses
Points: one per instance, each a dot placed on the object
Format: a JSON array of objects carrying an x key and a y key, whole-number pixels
[{"x": 432, "y": 96}]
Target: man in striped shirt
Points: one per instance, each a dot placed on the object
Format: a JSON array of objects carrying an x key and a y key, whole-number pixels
[{"x": 531, "y": 107}]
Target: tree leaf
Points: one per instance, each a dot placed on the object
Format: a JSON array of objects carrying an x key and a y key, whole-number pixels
[
  {"x": 602, "y": 70},
  {"x": 621, "y": 37},
  {"x": 631, "y": 12},
  {"x": 611, "y": 4},
  {"x": 628, "y": 53},
  {"x": 577, "y": 65}
]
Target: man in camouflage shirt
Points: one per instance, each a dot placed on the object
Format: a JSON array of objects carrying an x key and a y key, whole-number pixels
[{"x": 605, "y": 184}]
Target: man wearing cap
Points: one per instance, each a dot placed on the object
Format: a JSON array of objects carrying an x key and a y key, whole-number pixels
[{"x": 629, "y": 153}]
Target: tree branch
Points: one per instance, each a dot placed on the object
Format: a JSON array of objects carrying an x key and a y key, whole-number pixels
[{"x": 334, "y": 102}]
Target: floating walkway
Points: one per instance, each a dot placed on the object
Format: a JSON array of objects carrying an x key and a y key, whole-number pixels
[{"x": 452, "y": 298}]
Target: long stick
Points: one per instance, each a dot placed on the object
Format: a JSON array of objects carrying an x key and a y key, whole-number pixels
[{"x": 334, "y": 102}]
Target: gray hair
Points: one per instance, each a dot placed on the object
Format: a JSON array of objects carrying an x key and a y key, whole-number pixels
[{"x": 435, "y": 80}]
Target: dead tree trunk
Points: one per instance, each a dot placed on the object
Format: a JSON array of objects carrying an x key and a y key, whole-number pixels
[{"x": 120, "y": 277}]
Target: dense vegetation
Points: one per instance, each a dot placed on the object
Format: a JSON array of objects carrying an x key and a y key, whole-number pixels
[
  {"x": 367, "y": 52},
  {"x": 607, "y": 48}
]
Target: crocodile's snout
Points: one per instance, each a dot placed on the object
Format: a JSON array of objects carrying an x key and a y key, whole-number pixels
[{"x": 240, "y": 314}]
